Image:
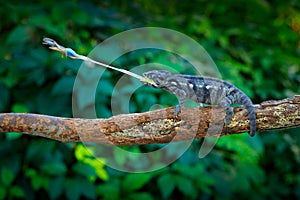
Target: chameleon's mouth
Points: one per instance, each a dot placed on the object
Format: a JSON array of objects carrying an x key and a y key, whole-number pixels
[{"x": 149, "y": 82}]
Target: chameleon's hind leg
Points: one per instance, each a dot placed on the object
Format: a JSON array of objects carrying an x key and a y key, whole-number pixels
[
  {"x": 177, "y": 110},
  {"x": 225, "y": 104},
  {"x": 178, "y": 107}
]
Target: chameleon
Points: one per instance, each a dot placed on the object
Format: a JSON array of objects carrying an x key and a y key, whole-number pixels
[
  {"x": 198, "y": 88},
  {"x": 203, "y": 89}
]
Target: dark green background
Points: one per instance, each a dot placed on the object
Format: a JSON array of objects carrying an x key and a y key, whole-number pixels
[{"x": 255, "y": 44}]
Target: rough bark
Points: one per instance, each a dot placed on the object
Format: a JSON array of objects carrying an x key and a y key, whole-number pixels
[{"x": 159, "y": 126}]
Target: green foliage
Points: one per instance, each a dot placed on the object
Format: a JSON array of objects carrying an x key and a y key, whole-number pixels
[
  {"x": 254, "y": 43},
  {"x": 135, "y": 181},
  {"x": 85, "y": 155},
  {"x": 7, "y": 176}
]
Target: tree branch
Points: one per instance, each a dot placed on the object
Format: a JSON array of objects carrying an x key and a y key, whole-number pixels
[{"x": 159, "y": 126}]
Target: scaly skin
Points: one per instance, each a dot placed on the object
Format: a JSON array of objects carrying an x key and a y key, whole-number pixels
[{"x": 206, "y": 90}]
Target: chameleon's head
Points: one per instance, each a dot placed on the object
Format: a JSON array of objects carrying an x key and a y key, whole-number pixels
[{"x": 159, "y": 78}]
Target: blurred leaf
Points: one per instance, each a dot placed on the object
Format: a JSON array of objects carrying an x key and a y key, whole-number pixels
[
  {"x": 52, "y": 105},
  {"x": 89, "y": 190},
  {"x": 75, "y": 187},
  {"x": 133, "y": 182},
  {"x": 100, "y": 168},
  {"x": 84, "y": 169},
  {"x": 81, "y": 152},
  {"x": 189, "y": 171},
  {"x": 38, "y": 151},
  {"x": 19, "y": 35},
  {"x": 17, "y": 191},
  {"x": 109, "y": 190},
  {"x": 37, "y": 181},
  {"x": 185, "y": 186},
  {"x": 105, "y": 88},
  {"x": 54, "y": 168},
  {"x": 4, "y": 97},
  {"x": 3, "y": 192},
  {"x": 11, "y": 79},
  {"x": 140, "y": 195},
  {"x": 56, "y": 187},
  {"x": 13, "y": 135},
  {"x": 166, "y": 185},
  {"x": 72, "y": 188},
  {"x": 240, "y": 147},
  {"x": 120, "y": 156},
  {"x": 85, "y": 155},
  {"x": 19, "y": 108},
  {"x": 7, "y": 176},
  {"x": 63, "y": 86}
]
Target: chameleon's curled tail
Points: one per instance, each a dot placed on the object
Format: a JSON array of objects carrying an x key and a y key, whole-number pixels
[{"x": 246, "y": 101}]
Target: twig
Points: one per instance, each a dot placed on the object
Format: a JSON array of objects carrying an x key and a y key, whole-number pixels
[{"x": 159, "y": 126}]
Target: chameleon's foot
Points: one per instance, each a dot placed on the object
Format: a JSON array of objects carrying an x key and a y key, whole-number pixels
[{"x": 177, "y": 110}]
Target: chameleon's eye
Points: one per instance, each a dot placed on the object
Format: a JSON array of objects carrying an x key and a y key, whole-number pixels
[{"x": 159, "y": 78}]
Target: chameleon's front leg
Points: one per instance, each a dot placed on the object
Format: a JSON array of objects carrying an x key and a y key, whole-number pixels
[{"x": 182, "y": 96}]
